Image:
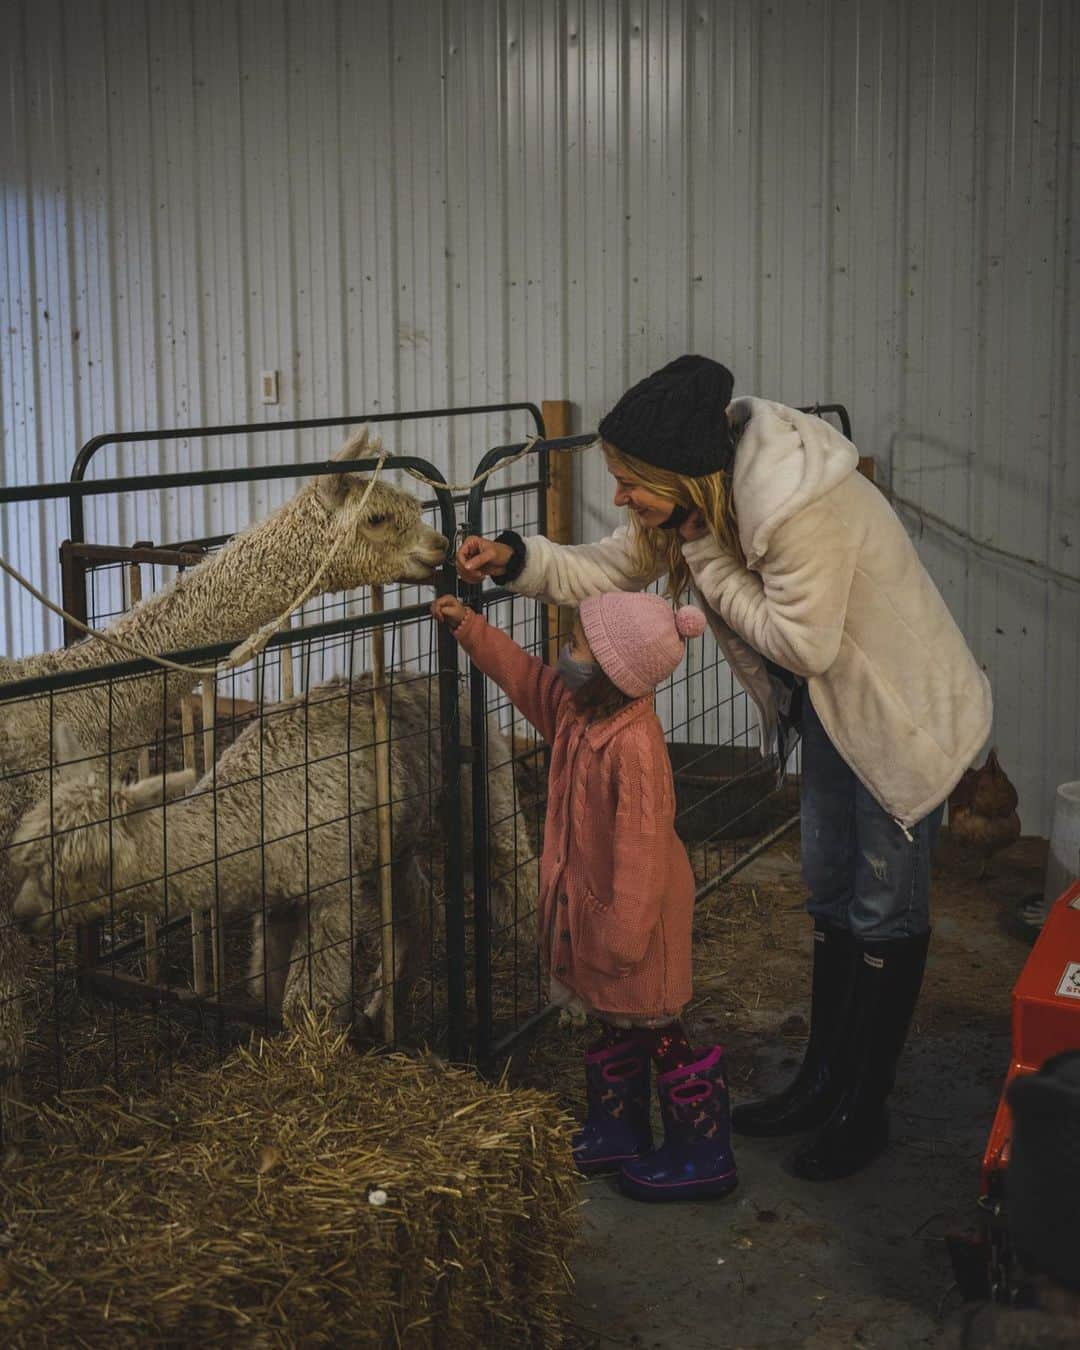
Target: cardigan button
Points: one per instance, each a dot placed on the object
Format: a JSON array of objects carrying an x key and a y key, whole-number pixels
[
  {"x": 560, "y": 970},
  {"x": 565, "y": 935},
  {"x": 562, "y": 899}
]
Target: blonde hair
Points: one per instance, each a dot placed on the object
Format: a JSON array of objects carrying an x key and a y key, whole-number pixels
[{"x": 711, "y": 495}]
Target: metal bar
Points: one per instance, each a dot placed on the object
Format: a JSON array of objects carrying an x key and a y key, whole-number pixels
[
  {"x": 481, "y": 864},
  {"x": 206, "y": 477},
  {"x": 138, "y": 553},
  {"x": 96, "y": 443},
  {"x": 451, "y": 820},
  {"x": 732, "y": 869},
  {"x": 133, "y": 572},
  {"x": 71, "y": 679},
  {"x": 384, "y": 842},
  {"x": 130, "y": 988}
]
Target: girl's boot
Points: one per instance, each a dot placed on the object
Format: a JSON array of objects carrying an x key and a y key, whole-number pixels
[
  {"x": 810, "y": 1097},
  {"x": 617, "y": 1127},
  {"x": 695, "y": 1160}
]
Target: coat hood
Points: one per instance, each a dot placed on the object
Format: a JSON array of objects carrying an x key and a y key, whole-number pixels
[{"x": 785, "y": 460}]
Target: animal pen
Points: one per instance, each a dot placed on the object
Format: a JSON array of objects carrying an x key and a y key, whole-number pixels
[{"x": 343, "y": 818}]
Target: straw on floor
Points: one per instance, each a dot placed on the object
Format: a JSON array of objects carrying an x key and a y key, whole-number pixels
[{"x": 299, "y": 1194}]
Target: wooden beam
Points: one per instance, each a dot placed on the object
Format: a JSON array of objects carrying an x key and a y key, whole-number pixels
[{"x": 560, "y": 507}]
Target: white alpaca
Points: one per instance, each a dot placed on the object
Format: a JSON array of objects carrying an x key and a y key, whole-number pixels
[
  {"x": 230, "y": 595},
  {"x": 286, "y": 819}
]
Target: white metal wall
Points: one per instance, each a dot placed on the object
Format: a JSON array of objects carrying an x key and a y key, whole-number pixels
[{"x": 402, "y": 203}]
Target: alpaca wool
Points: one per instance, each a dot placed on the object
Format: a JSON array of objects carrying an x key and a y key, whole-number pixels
[{"x": 638, "y": 639}]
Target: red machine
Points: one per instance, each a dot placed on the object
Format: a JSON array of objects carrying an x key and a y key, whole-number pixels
[{"x": 1045, "y": 1021}]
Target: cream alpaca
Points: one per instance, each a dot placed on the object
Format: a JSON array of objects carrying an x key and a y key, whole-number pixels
[
  {"x": 274, "y": 819},
  {"x": 226, "y": 598}
]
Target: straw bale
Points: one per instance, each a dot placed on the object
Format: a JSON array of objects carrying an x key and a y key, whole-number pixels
[{"x": 297, "y": 1195}]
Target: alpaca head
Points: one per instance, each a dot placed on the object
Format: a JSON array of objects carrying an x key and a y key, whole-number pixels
[
  {"x": 76, "y": 842},
  {"x": 382, "y": 538}
]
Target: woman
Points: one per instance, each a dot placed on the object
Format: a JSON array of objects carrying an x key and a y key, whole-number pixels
[{"x": 829, "y": 620}]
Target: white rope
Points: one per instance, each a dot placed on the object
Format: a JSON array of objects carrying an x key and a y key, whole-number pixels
[{"x": 251, "y": 646}]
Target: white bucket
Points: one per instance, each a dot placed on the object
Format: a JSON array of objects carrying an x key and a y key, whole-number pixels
[{"x": 1063, "y": 860}]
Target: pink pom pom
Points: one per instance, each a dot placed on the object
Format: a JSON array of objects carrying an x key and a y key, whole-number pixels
[{"x": 690, "y": 621}]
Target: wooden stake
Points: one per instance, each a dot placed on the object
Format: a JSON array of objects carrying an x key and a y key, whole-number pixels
[
  {"x": 134, "y": 580},
  {"x": 560, "y": 508},
  {"x": 381, "y": 719},
  {"x": 198, "y": 921},
  {"x": 288, "y": 683}
]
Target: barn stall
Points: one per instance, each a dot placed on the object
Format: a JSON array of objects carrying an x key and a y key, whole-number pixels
[{"x": 220, "y": 214}]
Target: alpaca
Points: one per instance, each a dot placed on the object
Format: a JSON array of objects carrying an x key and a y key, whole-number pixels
[
  {"x": 286, "y": 818},
  {"x": 251, "y": 580}
]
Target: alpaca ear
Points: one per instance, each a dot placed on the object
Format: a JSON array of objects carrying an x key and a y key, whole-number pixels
[
  {"x": 333, "y": 488},
  {"x": 359, "y": 446},
  {"x": 156, "y": 789},
  {"x": 67, "y": 749}
]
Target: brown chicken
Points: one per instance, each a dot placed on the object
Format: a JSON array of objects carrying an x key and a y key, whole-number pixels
[{"x": 982, "y": 810}]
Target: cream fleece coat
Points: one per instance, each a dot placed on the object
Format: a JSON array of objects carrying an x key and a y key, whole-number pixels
[{"x": 832, "y": 590}]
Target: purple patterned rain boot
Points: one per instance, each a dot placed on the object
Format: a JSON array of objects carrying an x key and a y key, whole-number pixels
[
  {"x": 695, "y": 1161},
  {"x": 617, "y": 1127}
]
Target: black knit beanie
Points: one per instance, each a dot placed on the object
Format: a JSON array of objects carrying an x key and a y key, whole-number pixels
[
  {"x": 1042, "y": 1181},
  {"x": 675, "y": 418}
]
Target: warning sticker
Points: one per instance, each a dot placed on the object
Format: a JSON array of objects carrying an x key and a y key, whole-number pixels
[{"x": 1069, "y": 987}]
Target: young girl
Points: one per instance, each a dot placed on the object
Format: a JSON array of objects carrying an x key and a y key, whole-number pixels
[
  {"x": 830, "y": 622},
  {"x": 616, "y": 887}
]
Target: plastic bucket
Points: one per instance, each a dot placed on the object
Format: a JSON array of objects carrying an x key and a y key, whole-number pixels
[{"x": 1063, "y": 860}]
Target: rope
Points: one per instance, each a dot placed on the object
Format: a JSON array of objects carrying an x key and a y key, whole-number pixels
[{"x": 251, "y": 646}]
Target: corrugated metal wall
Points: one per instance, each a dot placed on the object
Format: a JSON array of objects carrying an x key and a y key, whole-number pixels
[{"x": 407, "y": 204}]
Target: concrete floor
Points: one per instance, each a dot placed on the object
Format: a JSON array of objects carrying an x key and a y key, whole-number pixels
[{"x": 784, "y": 1263}]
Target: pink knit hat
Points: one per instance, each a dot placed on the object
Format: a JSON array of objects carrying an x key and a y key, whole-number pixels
[{"x": 638, "y": 639}]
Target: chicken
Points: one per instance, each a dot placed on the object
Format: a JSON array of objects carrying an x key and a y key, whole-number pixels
[{"x": 982, "y": 810}]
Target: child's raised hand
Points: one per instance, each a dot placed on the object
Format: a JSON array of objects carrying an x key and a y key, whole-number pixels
[{"x": 449, "y": 610}]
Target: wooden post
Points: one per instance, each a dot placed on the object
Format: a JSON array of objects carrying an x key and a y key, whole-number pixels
[
  {"x": 560, "y": 508},
  {"x": 288, "y": 683},
  {"x": 198, "y": 921},
  {"x": 381, "y": 720},
  {"x": 868, "y": 468},
  {"x": 134, "y": 595}
]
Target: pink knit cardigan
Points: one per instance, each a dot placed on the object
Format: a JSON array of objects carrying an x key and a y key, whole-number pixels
[{"x": 616, "y": 887}]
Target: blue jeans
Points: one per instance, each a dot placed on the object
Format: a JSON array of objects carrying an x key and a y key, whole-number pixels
[{"x": 863, "y": 872}]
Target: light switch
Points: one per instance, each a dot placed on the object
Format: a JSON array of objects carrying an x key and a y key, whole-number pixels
[{"x": 270, "y": 386}]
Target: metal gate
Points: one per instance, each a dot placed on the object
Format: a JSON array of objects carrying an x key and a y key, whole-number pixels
[{"x": 479, "y": 778}]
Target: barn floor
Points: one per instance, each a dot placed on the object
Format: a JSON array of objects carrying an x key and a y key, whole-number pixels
[{"x": 783, "y": 1263}]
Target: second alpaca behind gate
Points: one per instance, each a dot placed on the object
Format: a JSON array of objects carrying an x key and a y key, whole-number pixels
[{"x": 284, "y": 827}]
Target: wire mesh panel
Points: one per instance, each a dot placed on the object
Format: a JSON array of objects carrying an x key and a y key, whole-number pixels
[
  {"x": 731, "y": 801},
  {"x": 219, "y": 849}
]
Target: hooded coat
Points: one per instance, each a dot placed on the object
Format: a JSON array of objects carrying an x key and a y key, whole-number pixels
[{"x": 832, "y": 590}]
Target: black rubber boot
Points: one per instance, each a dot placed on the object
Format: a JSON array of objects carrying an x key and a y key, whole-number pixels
[
  {"x": 808, "y": 1100},
  {"x": 887, "y": 982}
]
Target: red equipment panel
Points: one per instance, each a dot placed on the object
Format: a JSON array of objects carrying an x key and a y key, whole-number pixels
[{"x": 1045, "y": 1015}]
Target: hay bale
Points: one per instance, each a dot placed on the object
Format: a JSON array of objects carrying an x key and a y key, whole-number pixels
[{"x": 246, "y": 1206}]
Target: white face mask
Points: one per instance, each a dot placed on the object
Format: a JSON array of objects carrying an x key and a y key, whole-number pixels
[{"x": 574, "y": 674}]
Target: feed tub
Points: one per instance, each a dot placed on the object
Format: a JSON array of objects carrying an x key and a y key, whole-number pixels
[{"x": 727, "y": 792}]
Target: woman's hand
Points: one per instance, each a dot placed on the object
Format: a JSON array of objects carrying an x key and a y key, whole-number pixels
[
  {"x": 449, "y": 610},
  {"x": 693, "y": 527},
  {"x": 479, "y": 558}
]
